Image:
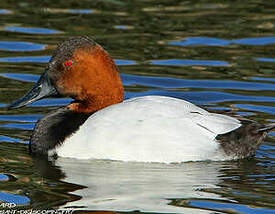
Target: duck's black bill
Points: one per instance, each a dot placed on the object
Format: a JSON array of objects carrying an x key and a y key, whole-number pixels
[{"x": 43, "y": 88}]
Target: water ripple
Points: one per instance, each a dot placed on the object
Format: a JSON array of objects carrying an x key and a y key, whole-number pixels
[
  {"x": 69, "y": 11},
  {"x": 255, "y": 41},
  {"x": 203, "y": 97},
  {"x": 123, "y": 27},
  {"x": 263, "y": 79},
  {"x": 261, "y": 59},
  {"x": 21, "y": 77},
  {"x": 183, "y": 83},
  {"x": 22, "y": 126},
  {"x": 125, "y": 62},
  {"x": 20, "y": 118},
  {"x": 166, "y": 82},
  {"x": 222, "y": 206},
  {"x": 244, "y": 186},
  {"x": 31, "y": 30},
  {"x": 222, "y": 42},
  {"x": 46, "y": 59},
  {"x": 80, "y": 11},
  {"x": 4, "y": 177},
  {"x": 20, "y": 46},
  {"x": 201, "y": 41},
  {"x": 34, "y": 59},
  {"x": 12, "y": 198},
  {"x": 9, "y": 139},
  {"x": 266, "y": 109},
  {"x": 177, "y": 62},
  {"x": 4, "y": 11}
]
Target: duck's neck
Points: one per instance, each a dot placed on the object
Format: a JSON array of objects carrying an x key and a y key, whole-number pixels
[
  {"x": 51, "y": 130},
  {"x": 94, "y": 103}
]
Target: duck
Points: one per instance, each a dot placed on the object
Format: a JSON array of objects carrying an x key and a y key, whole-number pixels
[{"x": 100, "y": 124}]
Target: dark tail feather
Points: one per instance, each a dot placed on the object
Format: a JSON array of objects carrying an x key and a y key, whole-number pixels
[
  {"x": 267, "y": 128},
  {"x": 244, "y": 141}
]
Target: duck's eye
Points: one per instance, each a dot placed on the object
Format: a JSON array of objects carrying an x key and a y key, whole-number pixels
[{"x": 68, "y": 63}]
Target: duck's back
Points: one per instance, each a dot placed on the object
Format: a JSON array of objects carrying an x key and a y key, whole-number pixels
[{"x": 150, "y": 129}]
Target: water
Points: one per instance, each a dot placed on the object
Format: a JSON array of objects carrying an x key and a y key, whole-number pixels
[{"x": 216, "y": 54}]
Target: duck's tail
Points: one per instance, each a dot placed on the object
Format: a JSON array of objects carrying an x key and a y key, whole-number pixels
[
  {"x": 267, "y": 128},
  {"x": 244, "y": 141}
]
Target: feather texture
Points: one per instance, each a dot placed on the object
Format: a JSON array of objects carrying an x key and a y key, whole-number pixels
[{"x": 150, "y": 129}]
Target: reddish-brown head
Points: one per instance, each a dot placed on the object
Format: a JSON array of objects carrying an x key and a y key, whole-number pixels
[{"x": 84, "y": 71}]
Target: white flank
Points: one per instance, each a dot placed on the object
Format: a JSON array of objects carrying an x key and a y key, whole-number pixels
[{"x": 150, "y": 129}]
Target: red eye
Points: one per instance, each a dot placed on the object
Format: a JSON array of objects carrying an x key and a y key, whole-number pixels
[{"x": 68, "y": 63}]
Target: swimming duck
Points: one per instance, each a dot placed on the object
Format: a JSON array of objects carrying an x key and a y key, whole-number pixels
[{"x": 98, "y": 124}]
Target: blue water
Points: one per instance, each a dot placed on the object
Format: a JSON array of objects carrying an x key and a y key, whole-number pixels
[
  {"x": 165, "y": 82},
  {"x": 220, "y": 206},
  {"x": 222, "y": 42},
  {"x": 20, "y": 46},
  {"x": 178, "y": 62},
  {"x": 3, "y": 177},
  {"x": 4, "y": 11},
  {"x": 12, "y": 198},
  {"x": 31, "y": 30},
  {"x": 207, "y": 54},
  {"x": 81, "y": 11}
]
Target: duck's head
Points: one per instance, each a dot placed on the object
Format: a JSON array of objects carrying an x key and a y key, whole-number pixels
[{"x": 80, "y": 69}]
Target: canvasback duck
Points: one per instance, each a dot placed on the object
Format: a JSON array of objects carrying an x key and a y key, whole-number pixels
[{"x": 98, "y": 124}]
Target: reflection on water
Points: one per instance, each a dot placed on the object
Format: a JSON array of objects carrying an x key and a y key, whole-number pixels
[
  {"x": 12, "y": 198},
  {"x": 216, "y": 54},
  {"x": 4, "y": 177},
  {"x": 4, "y": 11},
  {"x": 45, "y": 59},
  {"x": 20, "y": 46},
  {"x": 38, "y": 59},
  {"x": 30, "y": 30},
  {"x": 222, "y": 42},
  {"x": 178, "y": 62},
  {"x": 138, "y": 186},
  {"x": 83, "y": 11},
  {"x": 261, "y": 59}
]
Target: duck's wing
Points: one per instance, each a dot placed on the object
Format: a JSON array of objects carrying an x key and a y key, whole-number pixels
[
  {"x": 239, "y": 138},
  {"x": 172, "y": 107},
  {"x": 215, "y": 123}
]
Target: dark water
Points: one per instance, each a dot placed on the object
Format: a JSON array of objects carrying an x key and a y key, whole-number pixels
[{"x": 218, "y": 54}]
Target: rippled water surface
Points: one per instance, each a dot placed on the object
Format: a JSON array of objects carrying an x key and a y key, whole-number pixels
[{"x": 217, "y": 54}]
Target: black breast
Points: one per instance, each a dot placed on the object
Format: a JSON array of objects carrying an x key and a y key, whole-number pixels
[{"x": 52, "y": 129}]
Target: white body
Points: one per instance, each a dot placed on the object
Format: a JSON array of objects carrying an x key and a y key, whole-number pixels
[{"x": 150, "y": 129}]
